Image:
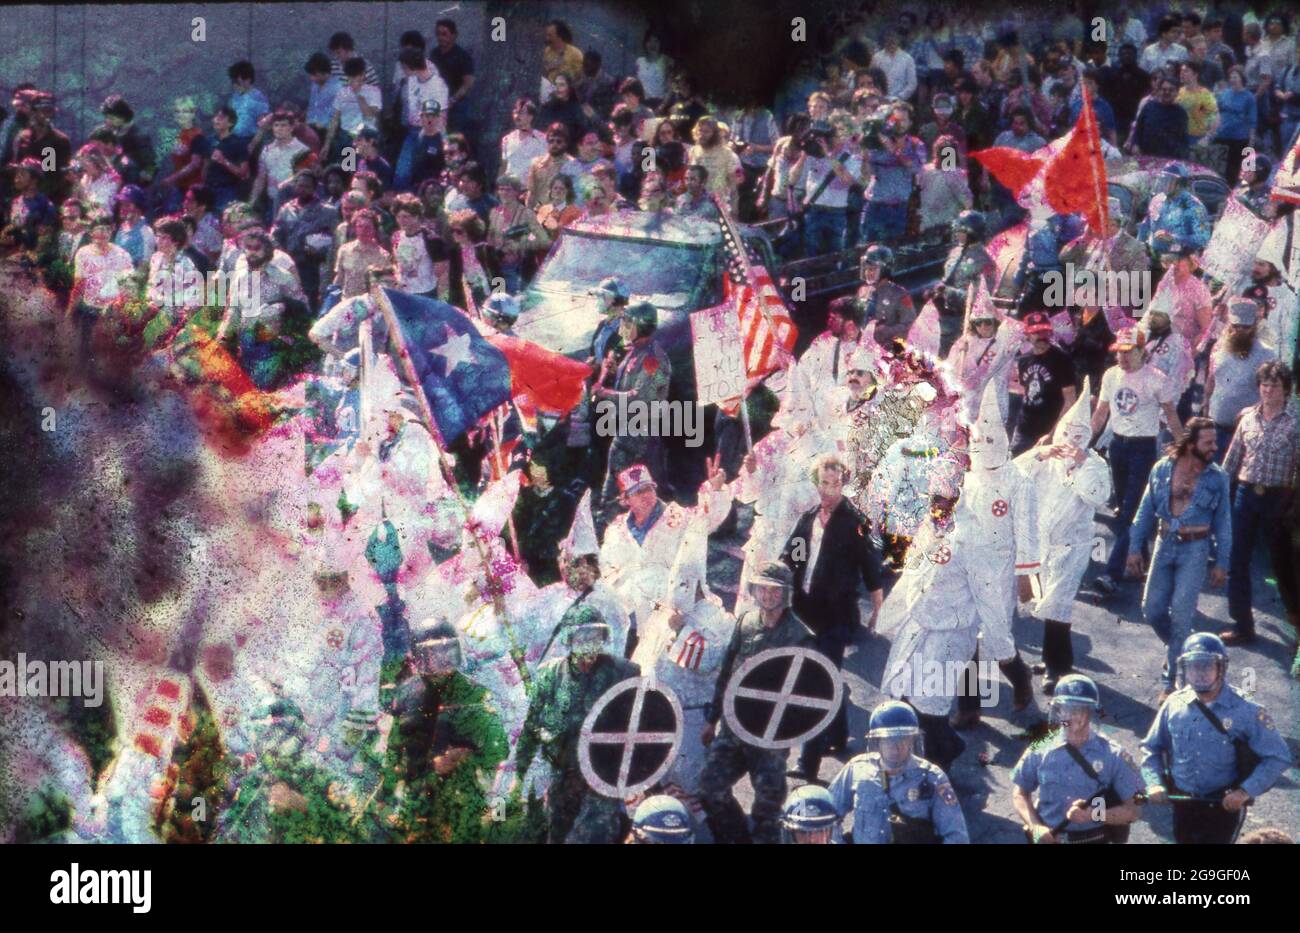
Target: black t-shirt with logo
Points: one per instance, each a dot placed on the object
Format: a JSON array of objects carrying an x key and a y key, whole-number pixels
[{"x": 1044, "y": 379}]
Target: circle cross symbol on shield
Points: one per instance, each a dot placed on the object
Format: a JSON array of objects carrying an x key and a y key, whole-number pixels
[
  {"x": 782, "y": 697},
  {"x": 630, "y": 737}
]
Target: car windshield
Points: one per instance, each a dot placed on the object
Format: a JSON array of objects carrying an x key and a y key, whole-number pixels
[{"x": 665, "y": 274}]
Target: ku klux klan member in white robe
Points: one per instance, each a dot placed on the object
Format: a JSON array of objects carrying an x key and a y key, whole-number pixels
[
  {"x": 1072, "y": 482},
  {"x": 774, "y": 479},
  {"x": 932, "y": 618},
  {"x": 985, "y": 355},
  {"x": 641, "y": 544},
  {"x": 999, "y": 506},
  {"x": 580, "y": 582},
  {"x": 681, "y": 647}
]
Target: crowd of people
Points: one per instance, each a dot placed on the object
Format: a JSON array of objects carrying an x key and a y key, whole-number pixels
[{"x": 914, "y": 473}]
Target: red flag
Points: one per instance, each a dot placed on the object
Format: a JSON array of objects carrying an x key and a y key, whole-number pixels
[
  {"x": 1013, "y": 168},
  {"x": 552, "y": 381},
  {"x": 1075, "y": 179}
]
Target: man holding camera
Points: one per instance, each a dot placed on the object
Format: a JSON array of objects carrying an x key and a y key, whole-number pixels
[{"x": 825, "y": 171}]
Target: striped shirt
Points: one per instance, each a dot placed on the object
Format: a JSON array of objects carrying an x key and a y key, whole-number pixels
[{"x": 1264, "y": 452}]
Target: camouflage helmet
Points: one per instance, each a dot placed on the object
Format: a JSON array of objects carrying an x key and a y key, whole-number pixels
[
  {"x": 877, "y": 255},
  {"x": 644, "y": 316},
  {"x": 583, "y": 620},
  {"x": 971, "y": 223},
  {"x": 773, "y": 573}
]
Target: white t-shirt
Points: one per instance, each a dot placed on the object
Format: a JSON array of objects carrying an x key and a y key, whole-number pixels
[
  {"x": 417, "y": 92},
  {"x": 351, "y": 119},
  {"x": 518, "y": 150},
  {"x": 101, "y": 272},
  {"x": 835, "y": 194},
  {"x": 278, "y": 161},
  {"x": 415, "y": 273},
  {"x": 653, "y": 77},
  {"x": 1135, "y": 400}
]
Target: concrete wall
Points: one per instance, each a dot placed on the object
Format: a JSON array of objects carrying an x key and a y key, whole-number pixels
[{"x": 147, "y": 54}]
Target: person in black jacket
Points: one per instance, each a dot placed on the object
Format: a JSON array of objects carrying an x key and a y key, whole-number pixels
[{"x": 829, "y": 551}]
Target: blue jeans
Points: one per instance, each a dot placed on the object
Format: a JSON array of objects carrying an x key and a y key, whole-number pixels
[
  {"x": 823, "y": 230},
  {"x": 1131, "y": 459},
  {"x": 1178, "y": 570},
  {"x": 884, "y": 222},
  {"x": 406, "y": 161},
  {"x": 1254, "y": 516}
]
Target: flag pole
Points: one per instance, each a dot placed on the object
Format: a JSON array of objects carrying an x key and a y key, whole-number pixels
[
  {"x": 729, "y": 229},
  {"x": 408, "y": 370},
  {"x": 495, "y": 423}
]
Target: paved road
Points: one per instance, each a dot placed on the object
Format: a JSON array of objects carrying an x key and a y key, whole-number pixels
[{"x": 1113, "y": 646}]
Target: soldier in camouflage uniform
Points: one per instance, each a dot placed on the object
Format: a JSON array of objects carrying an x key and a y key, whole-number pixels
[
  {"x": 445, "y": 743},
  {"x": 966, "y": 262},
  {"x": 643, "y": 376},
  {"x": 564, "y": 692},
  {"x": 772, "y": 625}
]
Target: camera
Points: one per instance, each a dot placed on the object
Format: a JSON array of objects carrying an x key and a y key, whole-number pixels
[{"x": 813, "y": 144}]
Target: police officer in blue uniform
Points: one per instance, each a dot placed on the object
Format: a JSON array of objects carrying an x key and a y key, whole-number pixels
[
  {"x": 808, "y": 816},
  {"x": 895, "y": 796},
  {"x": 1210, "y": 752},
  {"x": 662, "y": 820},
  {"x": 1086, "y": 783}
]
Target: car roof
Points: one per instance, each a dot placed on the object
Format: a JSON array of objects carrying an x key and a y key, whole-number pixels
[{"x": 651, "y": 225}]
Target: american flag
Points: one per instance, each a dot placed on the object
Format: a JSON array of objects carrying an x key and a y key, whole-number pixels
[{"x": 765, "y": 323}]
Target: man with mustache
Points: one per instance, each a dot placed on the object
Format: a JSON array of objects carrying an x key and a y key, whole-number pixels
[
  {"x": 1237, "y": 356},
  {"x": 1186, "y": 504}
]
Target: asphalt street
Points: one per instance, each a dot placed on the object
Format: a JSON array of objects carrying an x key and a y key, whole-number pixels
[{"x": 1114, "y": 646}]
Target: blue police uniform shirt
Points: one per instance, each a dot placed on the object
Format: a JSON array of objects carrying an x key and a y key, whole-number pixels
[
  {"x": 1049, "y": 768},
  {"x": 1202, "y": 759},
  {"x": 920, "y": 790},
  {"x": 1182, "y": 216}
]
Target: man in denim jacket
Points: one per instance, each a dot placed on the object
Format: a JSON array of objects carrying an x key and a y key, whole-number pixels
[{"x": 1186, "y": 505}]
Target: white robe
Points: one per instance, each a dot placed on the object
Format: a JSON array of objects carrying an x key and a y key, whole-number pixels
[
  {"x": 974, "y": 362},
  {"x": 638, "y": 573},
  {"x": 781, "y": 491},
  {"x": 687, "y": 662},
  {"x": 1000, "y": 510},
  {"x": 544, "y": 613},
  {"x": 931, "y": 613},
  {"x": 1068, "y": 499}
]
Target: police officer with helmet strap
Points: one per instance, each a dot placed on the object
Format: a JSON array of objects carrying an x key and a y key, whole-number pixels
[
  {"x": 662, "y": 820},
  {"x": 1086, "y": 783},
  {"x": 1210, "y": 752},
  {"x": 808, "y": 816},
  {"x": 894, "y": 795}
]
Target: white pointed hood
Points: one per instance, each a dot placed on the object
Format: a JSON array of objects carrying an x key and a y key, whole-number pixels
[
  {"x": 1075, "y": 426},
  {"x": 493, "y": 508},
  {"x": 989, "y": 447},
  {"x": 582, "y": 535},
  {"x": 689, "y": 569}
]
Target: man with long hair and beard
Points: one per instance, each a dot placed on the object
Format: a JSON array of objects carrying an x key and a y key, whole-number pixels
[
  {"x": 1186, "y": 503},
  {"x": 1238, "y": 354}
]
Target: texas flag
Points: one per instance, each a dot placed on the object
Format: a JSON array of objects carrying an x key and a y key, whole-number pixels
[{"x": 463, "y": 377}]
